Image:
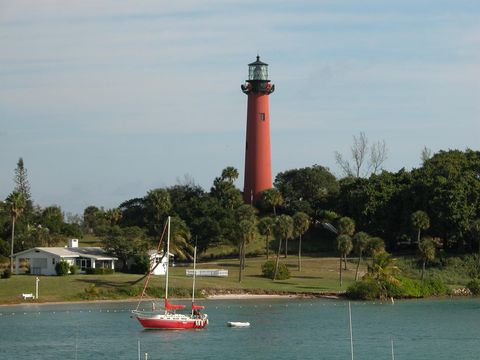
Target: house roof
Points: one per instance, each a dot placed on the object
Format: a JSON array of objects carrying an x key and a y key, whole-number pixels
[
  {"x": 96, "y": 253},
  {"x": 154, "y": 252}
]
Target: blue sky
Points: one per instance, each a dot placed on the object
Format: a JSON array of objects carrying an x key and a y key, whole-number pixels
[{"x": 106, "y": 99}]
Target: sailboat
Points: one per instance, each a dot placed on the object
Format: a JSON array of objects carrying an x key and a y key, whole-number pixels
[{"x": 168, "y": 318}]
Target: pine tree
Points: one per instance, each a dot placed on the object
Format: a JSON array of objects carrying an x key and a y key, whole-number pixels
[{"x": 22, "y": 185}]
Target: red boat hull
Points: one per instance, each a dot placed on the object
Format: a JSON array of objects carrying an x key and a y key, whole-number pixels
[{"x": 172, "y": 323}]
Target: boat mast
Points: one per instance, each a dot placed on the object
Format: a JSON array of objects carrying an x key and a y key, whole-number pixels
[
  {"x": 194, "y": 275},
  {"x": 351, "y": 332},
  {"x": 168, "y": 259}
]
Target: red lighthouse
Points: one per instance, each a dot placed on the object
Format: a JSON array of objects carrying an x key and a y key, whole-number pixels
[{"x": 258, "y": 163}]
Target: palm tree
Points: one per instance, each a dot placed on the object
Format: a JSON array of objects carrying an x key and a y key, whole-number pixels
[
  {"x": 375, "y": 245},
  {"x": 383, "y": 271},
  {"x": 344, "y": 247},
  {"x": 230, "y": 174},
  {"x": 246, "y": 230},
  {"x": 245, "y": 212},
  {"x": 360, "y": 241},
  {"x": 157, "y": 207},
  {"x": 427, "y": 247},
  {"x": 265, "y": 228},
  {"x": 113, "y": 216},
  {"x": 180, "y": 239},
  {"x": 283, "y": 230},
  {"x": 301, "y": 223},
  {"x": 420, "y": 221},
  {"x": 15, "y": 204},
  {"x": 346, "y": 226},
  {"x": 224, "y": 190},
  {"x": 272, "y": 198},
  {"x": 246, "y": 218}
]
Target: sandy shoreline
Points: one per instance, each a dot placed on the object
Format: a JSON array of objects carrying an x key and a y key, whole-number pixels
[
  {"x": 249, "y": 296},
  {"x": 242, "y": 296}
]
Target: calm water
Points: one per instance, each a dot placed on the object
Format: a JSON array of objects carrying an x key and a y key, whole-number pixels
[{"x": 281, "y": 329}]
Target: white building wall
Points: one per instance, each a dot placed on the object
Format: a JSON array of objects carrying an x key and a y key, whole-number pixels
[
  {"x": 41, "y": 263},
  {"x": 161, "y": 269}
]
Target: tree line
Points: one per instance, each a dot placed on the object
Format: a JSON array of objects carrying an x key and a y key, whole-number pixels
[{"x": 437, "y": 204}]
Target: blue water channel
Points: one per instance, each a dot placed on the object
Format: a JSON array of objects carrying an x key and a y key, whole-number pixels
[{"x": 280, "y": 329}]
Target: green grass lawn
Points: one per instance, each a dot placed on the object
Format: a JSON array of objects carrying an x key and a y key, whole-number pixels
[{"x": 318, "y": 275}]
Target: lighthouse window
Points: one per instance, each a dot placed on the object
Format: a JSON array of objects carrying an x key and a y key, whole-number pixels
[{"x": 262, "y": 116}]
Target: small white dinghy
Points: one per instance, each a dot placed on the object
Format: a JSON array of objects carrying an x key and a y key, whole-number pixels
[{"x": 238, "y": 324}]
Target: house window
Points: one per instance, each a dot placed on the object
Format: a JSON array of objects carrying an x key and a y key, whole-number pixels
[
  {"x": 262, "y": 116},
  {"x": 83, "y": 263},
  {"x": 53, "y": 261}
]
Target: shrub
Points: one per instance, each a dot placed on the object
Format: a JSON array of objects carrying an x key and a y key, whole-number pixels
[
  {"x": 130, "y": 291},
  {"x": 91, "y": 292},
  {"x": 141, "y": 265},
  {"x": 363, "y": 290},
  {"x": 268, "y": 270},
  {"x": 368, "y": 289},
  {"x": 434, "y": 287},
  {"x": 73, "y": 269},
  {"x": 62, "y": 268},
  {"x": 7, "y": 274},
  {"x": 474, "y": 286},
  {"x": 99, "y": 271},
  {"x": 471, "y": 265},
  {"x": 4, "y": 249}
]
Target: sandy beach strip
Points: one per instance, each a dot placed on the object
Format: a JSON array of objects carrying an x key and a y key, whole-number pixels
[
  {"x": 250, "y": 296},
  {"x": 247, "y": 296},
  {"x": 220, "y": 296}
]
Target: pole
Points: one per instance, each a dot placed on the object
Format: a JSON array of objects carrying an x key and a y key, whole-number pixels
[
  {"x": 36, "y": 287},
  {"x": 194, "y": 275},
  {"x": 351, "y": 332},
  {"x": 168, "y": 259}
]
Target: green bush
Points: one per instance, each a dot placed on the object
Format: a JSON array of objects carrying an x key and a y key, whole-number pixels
[
  {"x": 62, "y": 268},
  {"x": 268, "y": 270},
  {"x": 7, "y": 274},
  {"x": 474, "y": 286},
  {"x": 412, "y": 288},
  {"x": 141, "y": 264},
  {"x": 363, "y": 290},
  {"x": 130, "y": 291},
  {"x": 4, "y": 249},
  {"x": 73, "y": 269},
  {"x": 434, "y": 287},
  {"x": 92, "y": 290},
  {"x": 99, "y": 271},
  {"x": 368, "y": 289}
]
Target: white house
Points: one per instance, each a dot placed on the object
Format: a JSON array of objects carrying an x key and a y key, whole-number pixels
[
  {"x": 155, "y": 258},
  {"x": 42, "y": 260}
]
